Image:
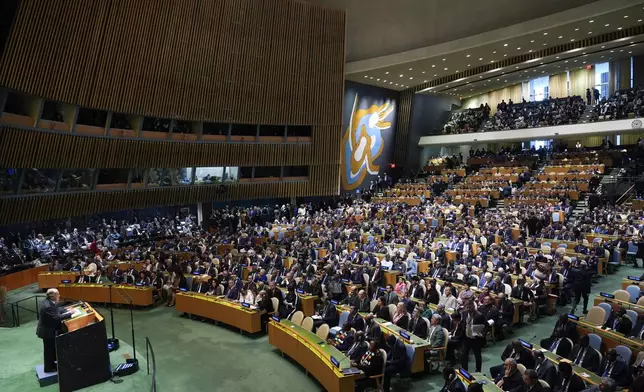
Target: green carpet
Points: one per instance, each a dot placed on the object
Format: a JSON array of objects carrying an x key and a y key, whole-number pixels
[{"x": 200, "y": 356}]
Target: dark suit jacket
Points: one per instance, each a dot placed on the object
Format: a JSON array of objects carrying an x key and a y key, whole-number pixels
[
  {"x": 575, "y": 384},
  {"x": 356, "y": 322},
  {"x": 512, "y": 383},
  {"x": 547, "y": 372},
  {"x": 564, "y": 348},
  {"x": 363, "y": 305},
  {"x": 49, "y": 322},
  {"x": 373, "y": 332},
  {"x": 397, "y": 356},
  {"x": 620, "y": 372},
  {"x": 382, "y": 312},
  {"x": 455, "y": 385},
  {"x": 375, "y": 366},
  {"x": 418, "y": 328},
  {"x": 403, "y": 322},
  {"x": 625, "y": 325},
  {"x": 330, "y": 315},
  {"x": 590, "y": 358},
  {"x": 525, "y": 356}
]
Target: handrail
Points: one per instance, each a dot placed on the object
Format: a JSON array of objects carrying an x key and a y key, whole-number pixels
[
  {"x": 625, "y": 195},
  {"x": 150, "y": 352},
  {"x": 15, "y": 309}
]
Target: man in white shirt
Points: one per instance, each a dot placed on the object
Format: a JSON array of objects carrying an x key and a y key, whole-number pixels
[{"x": 448, "y": 300}]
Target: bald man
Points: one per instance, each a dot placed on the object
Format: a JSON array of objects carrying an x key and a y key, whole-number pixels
[{"x": 49, "y": 324}]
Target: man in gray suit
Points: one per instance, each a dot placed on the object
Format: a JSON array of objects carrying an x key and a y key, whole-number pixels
[
  {"x": 435, "y": 334},
  {"x": 49, "y": 324}
]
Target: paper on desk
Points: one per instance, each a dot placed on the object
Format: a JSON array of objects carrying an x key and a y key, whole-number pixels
[
  {"x": 543, "y": 350},
  {"x": 386, "y": 324},
  {"x": 584, "y": 375}
]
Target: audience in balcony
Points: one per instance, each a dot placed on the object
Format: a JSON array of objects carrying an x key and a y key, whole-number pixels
[{"x": 468, "y": 120}]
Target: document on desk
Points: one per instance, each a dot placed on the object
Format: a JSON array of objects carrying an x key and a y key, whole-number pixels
[{"x": 584, "y": 375}]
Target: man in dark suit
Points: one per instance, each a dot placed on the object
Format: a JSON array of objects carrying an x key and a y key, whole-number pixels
[
  {"x": 363, "y": 302},
  {"x": 452, "y": 382},
  {"x": 328, "y": 315},
  {"x": 545, "y": 369},
  {"x": 585, "y": 356},
  {"x": 619, "y": 322},
  {"x": 475, "y": 327},
  {"x": 510, "y": 379},
  {"x": 437, "y": 271},
  {"x": 416, "y": 290},
  {"x": 355, "y": 320},
  {"x": 390, "y": 296},
  {"x": 358, "y": 348},
  {"x": 202, "y": 286},
  {"x": 417, "y": 324},
  {"x": 372, "y": 330},
  {"x": 531, "y": 380},
  {"x": 560, "y": 345},
  {"x": 615, "y": 368},
  {"x": 568, "y": 381},
  {"x": 375, "y": 280},
  {"x": 517, "y": 352},
  {"x": 49, "y": 323},
  {"x": 345, "y": 338},
  {"x": 582, "y": 280},
  {"x": 396, "y": 360}
]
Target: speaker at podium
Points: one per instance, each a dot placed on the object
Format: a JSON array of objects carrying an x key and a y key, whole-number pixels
[{"x": 81, "y": 351}]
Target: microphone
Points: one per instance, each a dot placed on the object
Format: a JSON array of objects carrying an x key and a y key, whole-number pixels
[{"x": 530, "y": 340}]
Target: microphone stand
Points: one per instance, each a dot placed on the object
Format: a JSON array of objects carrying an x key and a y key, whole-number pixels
[
  {"x": 112, "y": 343},
  {"x": 133, "y": 362}
]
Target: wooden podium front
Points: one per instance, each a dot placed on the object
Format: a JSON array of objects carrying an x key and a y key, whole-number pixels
[{"x": 81, "y": 352}]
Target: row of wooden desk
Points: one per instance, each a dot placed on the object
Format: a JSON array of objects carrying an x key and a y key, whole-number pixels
[
  {"x": 388, "y": 328},
  {"x": 219, "y": 309},
  {"x": 313, "y": 354},
  {"x": 22, "y": 278},
  {"x": 47, "y": 280},
  {"x": 100, "y": 293}
]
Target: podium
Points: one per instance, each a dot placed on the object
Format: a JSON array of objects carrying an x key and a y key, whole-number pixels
[{"x": 81, "y": 351}]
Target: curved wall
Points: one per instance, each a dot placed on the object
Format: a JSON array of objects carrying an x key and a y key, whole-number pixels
[{"x": 259, "y": 62}]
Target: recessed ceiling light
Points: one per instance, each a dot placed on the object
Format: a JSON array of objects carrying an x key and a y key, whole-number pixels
[
  {"x": 530, "y": 51},
  {"x": 410, "y": 69},
  {"x": 516, "y": 67},
  {"x": 498, "y": 80},
  {"x": 590, "y": 32},
  {"x": 371, "y": 77},
  {"x": 469, "y": 65},
  {"x": 396, "y": 84},
  {"x": 519, "y": 48},
  {"x": 639, "y": 20},
  {"x": 577, "y": 29},
  {"x": 401, "y": 75},
  {"x": 424, "y": 81},
  {"x": 390, "y": 82},
  {"x": 411, "y": 77},
  {"x": 491, "y": 61},
  {"x": 444, "y": 59},
  {"x": 532, "y": 41},
  {"x": 612, "y": 51},
  {"x": 566, "y": 61},
  {"x": 435, "y": 74},
  {"x": 445, "y": 69},
  {"x": 480, "y": 77},
  {"x": 591, "y": 21},
  {"x": 625, "y": 16},
  {"x": 505, "y": 44},
  {"x": 557, "y": 56},
  {"x": 366, "y": 76},
  {"x": 505, "y": 55},
  {"x": 607, "y": 24},
  {"x": 603, "y": 46},
  {"x": 457, "y": 71},
  {"x": 433, "y": 65},
  {"x": 387, "y": 73},
  {"x": 494, "y": 52},
  {"x": 423, "y": 72},
  {"x": 545, "y": 33},
  {"x": 545, "y": 43},
  {"x": 619, "y": 28},
  {"x": 561, "y": 36},
  {"x": 468, "y": 55},
  {"x": 384, "y": 81},
  {"x": 378, "y": 79},
  {"x": 572, "y": 40},
  {"x": 481, "y": 58}
]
